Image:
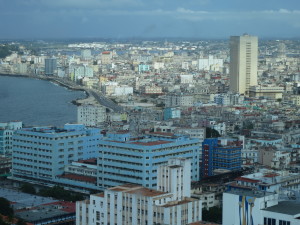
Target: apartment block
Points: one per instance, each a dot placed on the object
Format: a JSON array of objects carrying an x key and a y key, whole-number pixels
[
  {"x": 220, "y": 154},
  {"x": 41, "y": 153},
  {"x": 124, "y": 159},
  {"x": 133, "y": 204},
  {"x": 91, "y": 115},
  {"x": 6, "y": 132}
]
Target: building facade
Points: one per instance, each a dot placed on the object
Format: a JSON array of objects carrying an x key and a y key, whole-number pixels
[
  {"x": 6, "y": 132},
  {"x": 124, "y": 159},
  {"x": 50, "y": 66},
  {"x": 249, "y": 207},
  {"x": 133, "y": 204},
  {"x": 91, "y": 115},
  {"x": 243, "y": 63},
  {"x": 220, "y": 154},
  {"x": 41, "y": 153}
]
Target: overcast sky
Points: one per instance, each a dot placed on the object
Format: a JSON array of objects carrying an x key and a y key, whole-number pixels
[{"x": 148, "y": 18}]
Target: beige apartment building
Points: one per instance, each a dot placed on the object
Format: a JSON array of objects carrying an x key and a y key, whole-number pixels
[{"x": 243, "y": 63}]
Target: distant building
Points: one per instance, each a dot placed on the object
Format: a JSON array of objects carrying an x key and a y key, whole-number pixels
[
  {"x": 106, "y": 57},
  {"x": 273, "y": 92},
  {"x": 220, "y": 154},
  {"x": 243, "y": 63},
  {"x": 174, "y": 100},
  {"x": 50, "y": 66},
  {"x": 133, "y": 204},
  {"x": 284, "y": 183},
  {"x": 86, "y": 54},
  {"x": 172, "y": 113},
  {"x": 210, "y": 63},
  {"x": 6, "y": 136},
  {"x": 144, "y": 68},
  {"x": 91, "y": 115}
]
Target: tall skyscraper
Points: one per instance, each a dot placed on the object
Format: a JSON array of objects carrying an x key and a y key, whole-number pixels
[{"x": 243, "y": 63}]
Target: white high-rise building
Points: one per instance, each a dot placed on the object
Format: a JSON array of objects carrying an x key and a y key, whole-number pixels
[
  {"x": 243, "y": 63},
  {"x": 133, "y": 204}
]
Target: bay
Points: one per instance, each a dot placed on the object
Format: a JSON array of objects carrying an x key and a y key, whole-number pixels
[{"x": 36, "y": 102}]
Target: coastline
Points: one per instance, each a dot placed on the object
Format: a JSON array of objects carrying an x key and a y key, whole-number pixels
[{"x": 54, "y": 80}]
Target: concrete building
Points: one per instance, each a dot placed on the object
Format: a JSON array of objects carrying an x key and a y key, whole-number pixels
[
  {"x": 243, "y": 63},
  {"x": 273, "y": 92},
  {"x": 210, "y": 63},
  {"x": 50, "y": 66},
  {"x": 249, "y": 207},
  {"x": 124, "y": 159},
  {"x": 41, "y": 153},
  {"x": 174, "y": 100},
  {"x": 106, "y": 57},
  {"x": 6, "y": 132},
  {"x": 132, "y": 204},
  {"x": 172, "y": 113},
  {"x": 284, "y": 183},
  {"x": 91, "y": 115},
  {"x": 220, "y": 154}
]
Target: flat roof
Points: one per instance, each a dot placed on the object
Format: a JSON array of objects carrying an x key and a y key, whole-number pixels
[
  {"x": 79, "y": 178},
  {"x": 20, "y": 200},
  {"x": 250, "y": 193},
  {"x": 151, "y": 143},
  {"x": 44, "y": 212},
  {"x": 137, "y": 189},
  {"x": 286, "y": 207}
]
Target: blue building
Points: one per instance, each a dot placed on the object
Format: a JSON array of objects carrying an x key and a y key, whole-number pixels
[
  {"x": 41, "y": 153},
  {"x": 220, "y": 154},
  {"x": 172, "y": 113},
  {"x": 144, "y": 68},
  {"x": 50, "y": 66},
  {"x": 124, "y": 159}
]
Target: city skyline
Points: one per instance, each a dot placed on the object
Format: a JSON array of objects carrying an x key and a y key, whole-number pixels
[{"x": 139, "y": 18}]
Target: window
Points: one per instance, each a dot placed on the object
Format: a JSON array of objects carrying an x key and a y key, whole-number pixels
[{"x": 283, "y": 222}]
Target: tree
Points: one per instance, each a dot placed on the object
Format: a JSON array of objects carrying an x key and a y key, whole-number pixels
[
  {"x": 214, "y": 214},
  {"x": 21, "y": 222},
  {"x": 212, "y": 133},
  {"x": 28, "y": 188},
  {"x": 5, "y": 208}
]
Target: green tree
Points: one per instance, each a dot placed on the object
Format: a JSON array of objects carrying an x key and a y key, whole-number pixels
[
  {"x": 214, "y": 214},
  {"x": 21, "y": 222},
  {"x": 5, "y": 208},
  {"x": 28, "y": 188},
  {"x": 212, "y": 133}
]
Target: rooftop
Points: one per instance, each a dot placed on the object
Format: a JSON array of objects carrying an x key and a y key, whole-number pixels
[
  {"x": 47, "y": 212},
  {"x": 250, "y": 193},
  {"x": 79, "y": 178},
  {"x": 23, "y": 200},
  {"x": 138, "y": 190},
  {"x": 286, "y": 207}
]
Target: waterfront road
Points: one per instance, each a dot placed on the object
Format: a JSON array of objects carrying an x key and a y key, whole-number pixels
[{"x": 105, "y": 101}]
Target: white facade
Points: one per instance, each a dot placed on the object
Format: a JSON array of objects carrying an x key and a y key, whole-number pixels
[
  {"x": 186, "y": 79},
  {"x": 243, "y": 63},
  {"x": 258, "y": 208},
  {"x": 91, "y": 115},
  {"x": 6, "y": 132},
  {"x": 136, "y": 205},
  {"x": 123, "y": 90},
  {"x": 210, "y": 64}
]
